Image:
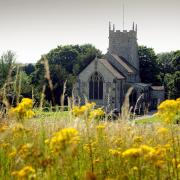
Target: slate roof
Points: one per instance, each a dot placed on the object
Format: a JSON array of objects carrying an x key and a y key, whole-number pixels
[
  {"x": 143, "y": 84},
  {"x": 122, "y": 61},
  {"x": 157, "y": 88},
  {"x": 110, "y": 68}
]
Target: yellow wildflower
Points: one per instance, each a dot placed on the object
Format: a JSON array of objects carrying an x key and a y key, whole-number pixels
[
  {"x": 169, "y": 110},
  {"x": 96, "y": 114},
  {"x": 5, "y": 145},
  {"x": 3, "y": 128},
  {"x": 24, "y": 109},
  {"x": 147, "y": 149},
  {"x": 160, "y": 164},
  {"x": 175, "y": 162},
  {"x": 24, "y": 149},
  {"x": 138, "y": 139},
  {"x": 132, "y": 152},
  {"x": 162, "y": 131},
  {"x": 96, "y": 161},
  {"x": 100, "y": 127},
  {"x": 115, "y": 152},
  {"x": 24, "y": 172},
  {"x": 12, "y": 154},
  {"x": 63, "y": 139},
  {"x": 18, "y": 127},
  {"x": 135, "y": 168}
]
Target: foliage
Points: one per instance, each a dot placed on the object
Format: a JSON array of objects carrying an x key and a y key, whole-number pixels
[
  {"x": 7, "y": 61},
  {"x": 28, "y": 69},
  {"x": 65, "y": 62},
  {"x": 169, "y": 64},
  {"x": 161, "y": 69},
  {"x": 26, "y": 89},
  {"x": 149, "y": 69}
]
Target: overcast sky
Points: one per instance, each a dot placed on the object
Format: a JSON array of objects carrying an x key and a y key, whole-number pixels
[{"x": 33, "y": 27}]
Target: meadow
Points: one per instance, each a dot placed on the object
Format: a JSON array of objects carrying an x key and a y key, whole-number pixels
[{"x": 84, "y": 143}]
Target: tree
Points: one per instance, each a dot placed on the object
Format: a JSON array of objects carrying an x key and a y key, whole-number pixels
[
  {"x": 172, "y": 84},
  {"x": 29, "y": 68},
  {"x": 165, "y": 64},
  {"x": 149, "y": 69},
  {"x": 176, "y": 60},
  {"x": 169, "y": 64},
  {"x": 7, "y": 61},
  {"x": 65, "y": 62}
]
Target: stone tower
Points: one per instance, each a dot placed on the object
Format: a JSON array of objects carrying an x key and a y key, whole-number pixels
[{"x": 124, "y": 44}]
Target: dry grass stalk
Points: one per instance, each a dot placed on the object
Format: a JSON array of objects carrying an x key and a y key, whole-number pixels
[
  {"x": 48, "y": 77},
  {"x": 73, "y": 103},
  {"x": 32, "y": 94},
  {"x": 63, "y": 96},
  {"x": 19, "y": 87},
  {"x": 4, "y": 97},
  {"x": 125, "y": 115},
  {"x": 136, "y": 105},
  {"x": 42, "y": 98}
]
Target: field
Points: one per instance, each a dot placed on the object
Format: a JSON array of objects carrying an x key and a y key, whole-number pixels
[{"x": 84, "y": 144}]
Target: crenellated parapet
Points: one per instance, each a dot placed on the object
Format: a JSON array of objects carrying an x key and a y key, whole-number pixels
[{"x": 124, "y": 43}]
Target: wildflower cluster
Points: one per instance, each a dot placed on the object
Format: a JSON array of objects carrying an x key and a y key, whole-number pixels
[
  {"x": 89, "y": 111},
  {"x": 169, "y": 111},
  {"x": 24, "y": 109},
  {"x": 63, "y": 140},
  {"x": 26, "y": 172}
]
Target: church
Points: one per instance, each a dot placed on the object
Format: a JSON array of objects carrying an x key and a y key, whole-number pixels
[{"x": 105, "y": 81}]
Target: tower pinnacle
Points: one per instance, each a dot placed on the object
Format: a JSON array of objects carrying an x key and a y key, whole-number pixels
[
  {"x": 133, "y": 26},
  {"x": 109, "y": 25},
  {"x": 113, "y": 27}
]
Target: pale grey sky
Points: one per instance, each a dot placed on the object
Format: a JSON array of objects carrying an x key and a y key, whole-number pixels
[{"x": 33, "y": 27}]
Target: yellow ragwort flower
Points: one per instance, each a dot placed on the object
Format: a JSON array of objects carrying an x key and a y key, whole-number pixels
[
  {"x": 132, "y": 152},
  {"x": 24, "y": 172},
  {"x": 63, "y": 139}
]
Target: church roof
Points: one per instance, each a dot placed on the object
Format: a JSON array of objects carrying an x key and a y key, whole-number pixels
[
  {"x": 143, "y": 84},
  {"x": 157, "y": 88},
  {"x": 125, "y": 64},
  {"x": 110, "y": 68}
]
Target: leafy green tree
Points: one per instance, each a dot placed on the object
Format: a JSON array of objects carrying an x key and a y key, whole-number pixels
[
  {"x": 28, "y": 68},
  {"x": 7, "y": 61},
  {"x": 172, "y": 82},
  {"x": 177, "y": 84},
  {"x": 176, "y": 60},
  {"x": 65, "y": 62},
  {"x": 26, "y": 88},
  {"x": 165, "y": 64},
  {"x": 169, "y": 64},
  {"x": 149, "y": 69}
]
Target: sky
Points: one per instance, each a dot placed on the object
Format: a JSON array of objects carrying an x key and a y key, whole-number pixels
[{"x": 31, "y": 28}]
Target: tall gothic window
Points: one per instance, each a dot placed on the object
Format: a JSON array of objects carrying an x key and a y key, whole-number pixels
[{"x": 96, "y": 86}]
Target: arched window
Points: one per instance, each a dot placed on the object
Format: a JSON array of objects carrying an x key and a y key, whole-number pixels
[{"x": 96, "y": 86}]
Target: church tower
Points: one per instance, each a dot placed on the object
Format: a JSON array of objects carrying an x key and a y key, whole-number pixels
[{"x": 124, "y": 44}]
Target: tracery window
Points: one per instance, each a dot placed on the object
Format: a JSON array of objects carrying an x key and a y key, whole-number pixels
[{"x": 96, "y": 86}]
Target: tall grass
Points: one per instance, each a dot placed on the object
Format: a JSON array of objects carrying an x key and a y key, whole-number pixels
[{"x": 98, "y": 154}]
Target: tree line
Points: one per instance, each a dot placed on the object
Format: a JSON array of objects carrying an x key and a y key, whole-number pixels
[{"x": 65, "y": 62}]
